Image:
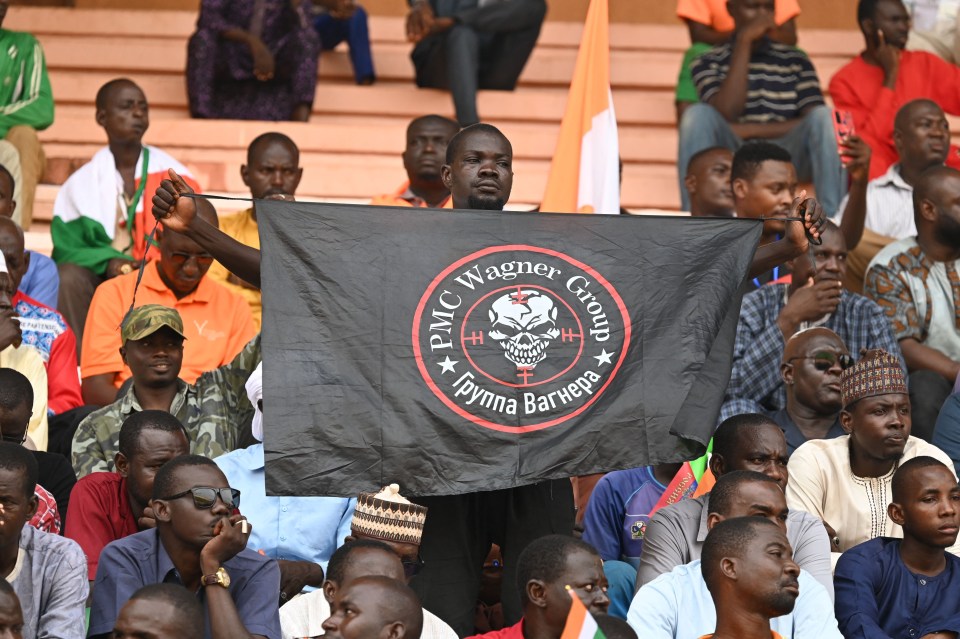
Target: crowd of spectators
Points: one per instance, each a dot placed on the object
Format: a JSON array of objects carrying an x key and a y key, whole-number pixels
[{"x": 132, "y": 472}]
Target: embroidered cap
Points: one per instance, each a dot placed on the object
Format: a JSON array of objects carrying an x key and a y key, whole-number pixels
[
  {"x": 876, "y": 373},
  {"x": 148, "y": 319},
  {"x": 389, "y": 516}
]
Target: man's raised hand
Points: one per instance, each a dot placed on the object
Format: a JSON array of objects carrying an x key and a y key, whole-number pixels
[
  {"x": 175, "y": 212},
  {"x": 813, "y": 220}
]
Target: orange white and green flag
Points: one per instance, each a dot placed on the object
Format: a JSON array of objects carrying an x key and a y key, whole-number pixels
[
  {"x": 580, "y": 623},
  {"x": 585, "y": 171}
]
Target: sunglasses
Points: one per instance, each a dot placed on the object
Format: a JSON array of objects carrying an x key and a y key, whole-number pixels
[
  {"x": 412, "y": 567},
  {"x": 205, "y": 497},
  {"x": 825, "y": 360}
]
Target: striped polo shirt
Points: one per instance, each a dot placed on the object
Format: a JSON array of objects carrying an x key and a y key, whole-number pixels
[{"x": 782, "y": 81}]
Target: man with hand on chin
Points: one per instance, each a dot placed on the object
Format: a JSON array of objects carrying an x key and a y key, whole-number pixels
[{"x": 200, "y": 542}]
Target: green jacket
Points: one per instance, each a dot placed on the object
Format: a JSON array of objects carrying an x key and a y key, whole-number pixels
[{"x": 25, "y": 95}]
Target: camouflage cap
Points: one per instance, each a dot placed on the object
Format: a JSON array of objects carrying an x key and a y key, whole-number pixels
[{"x": 148, "y": 319}]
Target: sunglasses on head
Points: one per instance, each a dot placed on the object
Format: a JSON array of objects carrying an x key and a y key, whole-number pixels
[
  {"x": 825, "y": 360},
  {"x": 205, "y": 497}
]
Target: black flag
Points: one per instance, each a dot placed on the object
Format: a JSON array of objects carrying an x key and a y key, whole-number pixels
[{"x": 464, "y": 351}]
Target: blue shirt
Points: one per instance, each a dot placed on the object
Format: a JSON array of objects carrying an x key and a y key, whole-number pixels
[
  {"x": 42, "y": 280},
  {"x": 946, "y": 435},
  {"x": 128, "y": 564},
  {"x": 294, "y": 528},
  {"x": 795, "y": 438},
  {"x": 677, "y": 605},
  {"x": 618, "y": 512},
  {"x": 878, "y": 597}
]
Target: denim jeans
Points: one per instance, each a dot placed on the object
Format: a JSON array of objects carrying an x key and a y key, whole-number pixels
[
  {"x": 353, "y": 30},
  {"x": 811, "y": 143}
]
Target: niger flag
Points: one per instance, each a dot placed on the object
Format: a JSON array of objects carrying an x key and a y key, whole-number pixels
[{"x": 584, "y": 174}]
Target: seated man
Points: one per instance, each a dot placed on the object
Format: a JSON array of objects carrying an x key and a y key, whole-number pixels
[
  {"x": 213, "y": 411},
  {"x": 889, "y": 587},
  {"x": 111, "y": 506},
  {"x": 463, "y": 47},
  {"x": 41, "y": 281},
  {"x": 754, "y": 88},
  {"x": 56, "y": 478},
  {"x": 304, "y": 616},
  {"x": 42, "y": 327},
  {"x": 217, "y": 321},
  {"x": 874, "y": 85},
  {"x": 745, "y": 442},
  {"x": 935, "y": 28},
  {"x": 424, "y": 154},
  {"x": 26, "y": 106},
  {"x": 198, "y": 544},
  {"x": 11, "y": 614},
  {"x": 771, "y": 315},
  {"x": 22, "y": 357},
  {"x": 547, "y": 567},
  {"x": 299, "y": 532},
  {"x": 749, "y": 569},
  {"x": 677, "y": 603},
  {"x": 247, "y": 61},
  {"x": 880, "y": 212},
  {"x": 708, "y": 183},
  {"x": 375, "y": 607},
  {"x": 811, "y": 367},
  {"x": 46, "y": 570},
  {"x": 337, "y": 21},
  {"x": 913, "y": 280},
  {"x": 98, "y": 230},
  {"x": 272, "y": 168},
  {"x": 846, "y": 481},
  {"x": 710, "y": 25},
  {"x": 160, "y": 610}
]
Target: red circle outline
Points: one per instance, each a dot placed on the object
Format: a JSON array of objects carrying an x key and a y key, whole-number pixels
[
  {"x": 463, "y": 326},
  {"x": 421, "y": 365}
]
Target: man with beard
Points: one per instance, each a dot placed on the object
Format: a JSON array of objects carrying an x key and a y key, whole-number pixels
[
  {"x": 272, "y": 169},
  {"x": 424, "y": 154},
  {"x": 749, "y": 569},
  {"x": 917, "y": 283},
  {"x": 812, "y": 364},
  {"x": 457, "y": 536},
  {"x": 773, "y": 314},
  {"x": 846, "y": 481},
  {"x": 911, "y": 586}
]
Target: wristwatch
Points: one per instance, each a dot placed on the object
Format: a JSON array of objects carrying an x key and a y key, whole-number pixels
[{"x": 219, "y": 578}]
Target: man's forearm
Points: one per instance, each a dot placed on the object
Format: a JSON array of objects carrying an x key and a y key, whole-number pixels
[
  {"x": 225, "y": 622},
  {"x": 921, "y": 357},
  {"x": 769, "y": 256},
  {"x": 732, "y": 95},
  {"x": 240, "y": 259},
  {"x": 855, "y": 214}
]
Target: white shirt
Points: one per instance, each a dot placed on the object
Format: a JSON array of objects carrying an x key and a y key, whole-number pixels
[
  {"x": 889, "y": 205},
  {"x": 303, "y": 616}
]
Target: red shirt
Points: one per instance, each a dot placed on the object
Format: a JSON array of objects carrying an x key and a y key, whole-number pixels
[
  {"x": 858, "y": 88},
  {"x": 99, "y": 513},
  {"x": 513, "y": 632}
]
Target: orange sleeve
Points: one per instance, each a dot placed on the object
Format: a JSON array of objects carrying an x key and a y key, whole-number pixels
[
  {"x": 101, "y": 337},
  {"x": 696, "y": 10},
  {"x": 786, "y": 10}
]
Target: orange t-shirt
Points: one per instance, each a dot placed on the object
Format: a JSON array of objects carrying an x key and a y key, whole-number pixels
[
  {"x": 405, "y": 197},
  {"x": 713, "y": 13},
  {"x": 216, "y": 321}
]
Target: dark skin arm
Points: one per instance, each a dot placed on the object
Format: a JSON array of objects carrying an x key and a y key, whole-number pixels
[
  {"x": 294, "y": 575},
  {"x": 730, "y": 99},
  {"x": 920, "y": 357},
  {"x": 9, "y": 330},
  {"x": 856, "y": 160},
  {"x": 264, "y": 64},
  {"x": 225, "y": 622},
  {"x": 795, "y": 241},
  {"x": 98, "y": 389},
  {"x": 180, "y": 214}
]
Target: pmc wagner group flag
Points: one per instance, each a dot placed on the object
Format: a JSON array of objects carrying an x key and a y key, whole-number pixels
[{"x": 464, "y": 351}]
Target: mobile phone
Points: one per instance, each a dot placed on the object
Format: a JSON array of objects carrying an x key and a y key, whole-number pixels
[{"x": 843, "y": 127}]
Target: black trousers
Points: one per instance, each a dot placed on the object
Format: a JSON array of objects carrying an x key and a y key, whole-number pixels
[
  {"x": 487, "y": 49},
  {"x": 928, "y": 392},
  {"x": 458, "y": 535}
]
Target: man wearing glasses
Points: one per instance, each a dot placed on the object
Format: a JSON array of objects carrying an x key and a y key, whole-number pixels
[
  {"x": 772, "y": 314},
  {"x": 199, "y": 542},
  {"x": 217, "y": 322},
  {"x": 811, "y": 367},
  {"x": 847, "y": 481}
]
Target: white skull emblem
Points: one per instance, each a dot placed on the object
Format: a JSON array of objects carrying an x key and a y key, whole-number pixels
[{"x": 524, "y": 323}]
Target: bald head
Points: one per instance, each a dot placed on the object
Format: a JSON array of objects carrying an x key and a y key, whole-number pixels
[
  {"x": 108, "y": 90},
  {"x": 265, "y": 140},
  {"x": 797, "y": 345},
  {"x": 911, "y": 109},
  {"x": 921, "y": 135}
]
